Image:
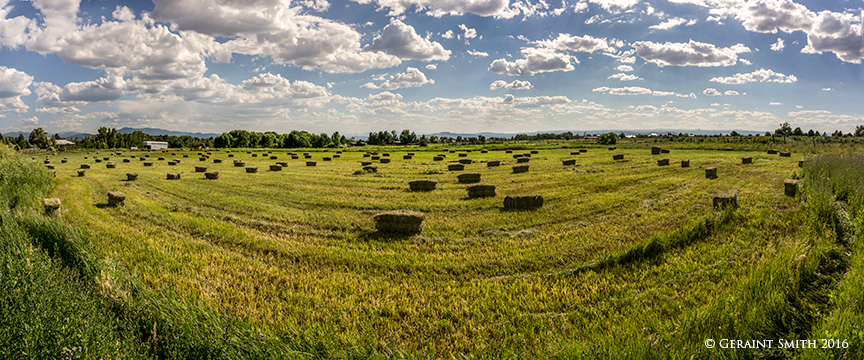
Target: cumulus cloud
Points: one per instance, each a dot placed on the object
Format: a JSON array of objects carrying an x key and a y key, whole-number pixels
[
  {"x": 638, "y": 90},
  {"x": 13, "y": 31},
  {"x": 711, "y": 92},
  {"x": 469, "y": 32},
  {"x": 400, "y": 39},
  {"x": 671, "y": 23},
  {"x": 691, "y": 53},
  {"x": 569, "y": 42},
  {"x": 412, "y": 77},
  {"x": 478, "y": 53},
  {"x": 827, "y": 89},
  {"x": 513, "y": 85},
  {"x": 431, "y": 67},
  {"x": 438, "y": 8},
  {"x": 536, "y": 60},
  {"x": 761, "y": 75},
  {"x": 615, "y": 6},
  {"x": 625, "y": 77},
  {"x": 14, "y": 83},
  {"x": 448, "y": 34},
  {"x": 624, "y": 68},
  {"x": 779, "y": 45},
  {"x": 731, "y": 93},
  {"x": 774, "y": 103}
]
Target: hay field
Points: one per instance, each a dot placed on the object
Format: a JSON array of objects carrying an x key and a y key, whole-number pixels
[{"x": 625, "y": 258}]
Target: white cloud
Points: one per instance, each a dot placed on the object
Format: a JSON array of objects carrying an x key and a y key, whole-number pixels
[
  {"x": 535, "y": 61},
  {"x": 448, "y": 34},
  {"x": 14, "y": 83},
  {"x": 514, "y": 85},
  {"x": 615, "y": 6},
  {"x": 673, "y": 22},
  {"x": 30, "y": 121},
  {"x": 438, "y": 8},
  {"x": 761, "y": 75},
  {"x": 624, "y": 68},
  {"x": 569, "y": 42},
  {"x": 412, "y": 77},
  {"x": 400, "y": 39},
  {"x": 638, "y": 90},
  {"x": 624, "y": 77},
  {"x": 13, "y": 31},
  {"x": 711, "y": 92},
  {"x": 827, "y": 89},
  {"x": 692, "y": 53},
  {"x": 731, "y": 93},
  {"x": 478, "y": 53},
  {"x": 774, "y": 103},
  {"x": 469, "y": 32},
  {"x": 779, "y": 45},
  {"x": 432, "y": 67}
]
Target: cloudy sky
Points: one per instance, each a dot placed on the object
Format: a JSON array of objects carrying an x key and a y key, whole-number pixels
[{"x": 430, "y": 65}]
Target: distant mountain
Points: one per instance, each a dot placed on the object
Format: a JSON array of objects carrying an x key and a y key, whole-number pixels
[{"x": 157, "y": 132}]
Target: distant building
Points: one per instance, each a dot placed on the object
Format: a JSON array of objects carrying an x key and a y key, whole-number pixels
[
  {"x": 155, "y": 145},
  {"x": 63, "y": 142}
]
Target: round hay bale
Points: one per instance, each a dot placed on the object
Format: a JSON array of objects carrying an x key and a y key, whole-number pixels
[
  {"x": 747, "y": 160},
  {"x": 725, "y": 200},
  {"x": 148, "y": 163},
  {"x": 437, "y": 158},
  {"x": 385, "y": 160},
  {"x": 365, "y": 163},
  {"x": 251, "y": 169},
  {"x": 463, "y": 155},
  {"x": 655, "y": 150},
  {"x": 370, "y": 168},
  {"x": 618, "y": 157},
  {"x": 200, "y": 169},
  {"x": 423, "y": 185},
  {"x": 85, "y": 166},
  {"x": 173, "y": 176},
  {"x": 52, "y": 207},
  {"x": 399, "y": 222},
  {"x": 311, "y": 163},
  {"x": 131, "y": 176},
  {"x": 465, "y": 161},
  {"x": 275, "y": 167},
  {"x": 493, "y": 163},
  {"x": 772, "y": 152},
  {"x": 468, "y": 178},
  {"x": 663, "y": 162},
  {"x": 518, "y": 169},
  {"x": 116, "y": 198},
  {"x": 81, "y": 173},
  {"x": 110, "y": 165},
  {"x": 211, "y": 175},
  {"x": 711, "y": 173},
  {"x": 523, "y": 202},
  {"x": 522, "y": 160},
  {"x": 790, "y": 187},
  {"x": 568, "y": 162},
  {"x": 481, "y": 190},
  {"x": 455, "y": 167},
  {"x": 685, "y": 163}
]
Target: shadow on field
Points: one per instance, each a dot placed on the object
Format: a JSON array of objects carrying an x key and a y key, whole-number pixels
[{"x": 103, "y": 206}]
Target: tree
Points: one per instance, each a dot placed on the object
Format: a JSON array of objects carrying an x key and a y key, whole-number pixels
[
  {"x": 859, "y": 130},
  {"x": 784, "y": 130},
  {"x": 407, "y": 137},
  {"x": 608, "y": 139},
  {"x": 223, "y": 141},
  {"x": 797, "y": 132},
  {"x": 22, "y": 142},
  {"x": 734, "y": 133},
  {"x": 39, "y": 138}
]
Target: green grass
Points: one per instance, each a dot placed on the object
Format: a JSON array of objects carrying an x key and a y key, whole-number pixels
[{"x": 626, "y": 259}]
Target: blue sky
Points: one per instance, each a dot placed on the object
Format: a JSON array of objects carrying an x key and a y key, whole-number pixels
[{"x": 356, "y": 66}]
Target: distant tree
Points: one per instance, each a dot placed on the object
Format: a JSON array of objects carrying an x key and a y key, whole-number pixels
[
  {"x": 859, "y": 130},
  {"x": 38, "y": 137},
  {"x": 608, "y": 139},
  {"x": 812, "y": 133},
  {"x": 223, "y": 141},
  {"x": 336, "y": 139},
  {"x": 837, "y": 133},
  {"x": 22, "y": 142},
  {"x": 734, "y": 133},
  {"x": 784, "y": 130},
  {"x": 797, "y": 132}
]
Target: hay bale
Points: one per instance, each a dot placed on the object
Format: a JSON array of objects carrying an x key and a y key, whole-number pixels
[
  {"x": 523, "y": 202},
  {"x": 46, "y": 162},
  {"x": 370, "y": 168},
  {"x": 801, "y": 163},
  {"x": 526, "y": 155},
  {"x": 508, "y": 151},
  {"x": 772, "y": 152},
  {"x": 522, "y": 160},
  {"x": 437, "y": 158},
  {"x": 311, "y": 163},
  {"x": 493, "y": 163},
  {"x": 148, "y": 163},
  {"x": 337, "y": 156},
  {"x": 67, "y": 160},
  {"x": 106, "y": 158},
  {"x": 131, "y": 176},
  {"x": 728, "y": 149},
  {"x": 385, "y": 154},
  {"x": 230, "y": 155},
  {"x": 655, "y": 150},
  {"x": 612, "y": 148},
  {"x": 618, "y": 157},
  {"x": 685, "y": 163},
  {"x": 790, "y": 187},
  {"x": 124, "y": 160},
  {"x": 185, "y": 155},
  {"x": 535, "y": 152},
  {"x": 484, "y": 151},
  {"x": 463, "y": 155},
  {"x": 568, "y": 162},
  {"x": 251, "y": 169},
  {"x": 376, "y": 158},
  {"x": 365, "y": 163},
  {"x": 327, "y": 158},
  {"x": 295, "y": 157},
  {"x": 211, "y": 175},
  {"x": 282, "y": 163},
  {"x": 747, "y": 160},
  {"x": 110, "y": 165},
  {"x": 116, "y": 198},
  {"x": 373, "y": 153},
  {"x": 254, "y": 155},
  {"x": 239, "y": 163},
  {"x": 98, "y": 160},
  {"x": 481, "y": 190},
  {"x": 423, "y": 185},
  {"x": 172, "y": 163},
  {"x": 173, "y": 176},
  {"x": 663, "y": 162},
  {"x": 200, "y": 169},
  {"x": 399, "y": 222},
  {"x": 664, "y": 151},
  {"x": 466, "y": 161},
  {"x": 583, "y": 150},
  {"x": 276, "y": 167},
  {"x": 85, "y": 166},
  {"x": 81, "y": 173},
  {"x": 217, "y": 161},
  {"x": 516, "y": 156},
  {"x": 725, "y": 200},
  {"x": 274, "y": 158},
  {"x": 518, "y": 169},
  {"x": 407, "y": 157},
  {"x": 385, "y": 160},
  {"x": 468, "y": 178},
  {"x": 49, "y": 167},
  {"x": 52, "y": 207},
  {"x": 455, "y": 167},
  {"x": 159, "y": 159},
  {"x": 711, "y": 173},
  {"x": 202, "y": 159},
  {"x": 442, "y": 155},
  {"x": 575, "y": 153},
  {"x": 367, "y": 155}
]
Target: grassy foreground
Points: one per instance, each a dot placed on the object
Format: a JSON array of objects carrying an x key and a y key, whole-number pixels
[{"x": 626, "y": 259}]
